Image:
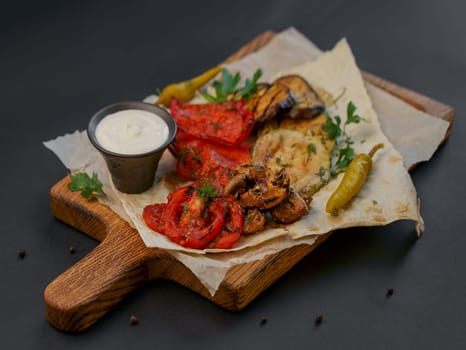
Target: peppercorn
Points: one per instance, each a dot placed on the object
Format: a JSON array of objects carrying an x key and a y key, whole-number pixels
[
  {"x": 72, "y": 249},
  {"x": 319, "y": 319},
  {"x": 390, "y": 292},
  {"x": 263, "y": 321},
  {"x": 133, "y": 320},
  {"x": 21, "y": 253}
]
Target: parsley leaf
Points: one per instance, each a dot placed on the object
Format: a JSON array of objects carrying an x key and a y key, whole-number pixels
[
  {"x": 207, "y": 191},
  {"x": 230, "y": 82},
  {"x": 343, "y": 150},
  {"x": 311, "y": 148},
  {"x": 324, "y": 175},
  {"x": 219, "y": 91},
  {"x": 333, "y": 127},
  {"x": 351, "y": 117},
  {"x": 250, "y": 86},
  {"x": 89, "y": 186},
  {"x": 209, "y": 97},
  {"x": 345, "y": 156},
  {"x": 228, "y": 88}
]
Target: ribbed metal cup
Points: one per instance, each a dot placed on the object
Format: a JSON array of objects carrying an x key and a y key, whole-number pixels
[{"x": 132, "y": 173}]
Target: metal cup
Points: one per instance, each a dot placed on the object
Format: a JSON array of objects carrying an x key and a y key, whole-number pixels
[{"x": 132, "y": 173}]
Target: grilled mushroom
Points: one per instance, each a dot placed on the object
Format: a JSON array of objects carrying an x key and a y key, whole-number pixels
[
  {"x": 258, "y": 186},
  {"x": 258, "y": 189},
  {"x": 291, "y": 209},
  {"x": 263, "y": 196},
  {"x": 281, "y": 179},
  {"x": 236, "y": 185},
  {"x": 254, "y": 221}
]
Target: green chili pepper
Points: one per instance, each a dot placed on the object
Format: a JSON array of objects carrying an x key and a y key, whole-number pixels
[
  {"x": 185, "y": 90},
  {"x": 352, "y": 181}
]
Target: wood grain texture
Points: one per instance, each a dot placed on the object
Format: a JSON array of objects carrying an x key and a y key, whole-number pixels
[{"x": 121, "y": 262}]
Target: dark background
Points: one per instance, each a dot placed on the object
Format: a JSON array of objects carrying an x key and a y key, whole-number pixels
[{"x": 62, "y": 61}]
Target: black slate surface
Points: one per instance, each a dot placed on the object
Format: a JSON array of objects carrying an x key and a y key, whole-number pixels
[{"x": 62, "y": 61}]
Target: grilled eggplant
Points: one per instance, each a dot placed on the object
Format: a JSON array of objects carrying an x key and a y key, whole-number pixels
[
  {"x": 308, "y": 104},
  {"x": 260, "y": 91},
  {"x": 272, "y": 101}
]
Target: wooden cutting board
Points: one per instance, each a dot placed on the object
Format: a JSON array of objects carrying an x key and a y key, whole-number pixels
[{"x": 121, "y": 262}]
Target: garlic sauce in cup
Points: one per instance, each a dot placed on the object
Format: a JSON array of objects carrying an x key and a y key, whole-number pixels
[
  {"x": 131, "y": 131},
  {"x": 132, "y": 137}
]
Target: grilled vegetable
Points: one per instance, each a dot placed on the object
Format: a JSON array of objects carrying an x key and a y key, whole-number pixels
[
  {"x": 291, "y": 209},
  {"x": 254, "y": 221},
  {"x": 300, "y": 146},
  {"x": 275, "y": 99},
  {"x": 226, "y": 122},
  {"x": 352, "y": 181},
  {"x": 267, "y": 188},
  {"x": 308, "y": 104},
  {"x": 185, "y": 90},
  {"x": 233, "y": 227},
  {"x": 260, "y": 189},
  {"x": 201, "y": 160},
  {"x": 252, "y": 103},
  {"x": 195, "y": 221}
]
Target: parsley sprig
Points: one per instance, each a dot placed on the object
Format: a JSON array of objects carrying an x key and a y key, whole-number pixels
[
  {"x": 343, "y": 142},
  {"x": 89, "y": 186},
  {"x": 228, "y": 89},
  {"x": 207, "y": 191}
]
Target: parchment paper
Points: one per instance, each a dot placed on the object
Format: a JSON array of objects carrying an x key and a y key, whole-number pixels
[{"x": 286, "y": 50}]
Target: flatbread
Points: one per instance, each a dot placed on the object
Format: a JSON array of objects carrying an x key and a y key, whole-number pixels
[{"x": 388, "y": 194}]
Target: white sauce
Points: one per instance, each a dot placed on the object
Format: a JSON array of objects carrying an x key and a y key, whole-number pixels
[{"x": 131, "y": 131}]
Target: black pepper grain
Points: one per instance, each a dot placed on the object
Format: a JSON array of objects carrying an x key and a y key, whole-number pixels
[
  {"x": 72, "y": 249},
  {"x": 390, "y": 292},
  {"x": 263, "y": 321},
  {"x": 319, "y": 319},
  {"x": 133, "y": 320},
  {"x": 21, "y": 253}
]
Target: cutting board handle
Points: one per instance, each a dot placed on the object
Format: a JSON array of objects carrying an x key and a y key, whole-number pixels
[
  {"x": 119, "y": 264},
  {"x": 87, "y": 290}
]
